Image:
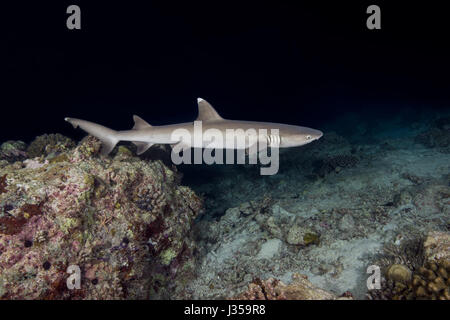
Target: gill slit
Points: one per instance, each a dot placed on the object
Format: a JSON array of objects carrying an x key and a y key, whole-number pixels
[{"x": 273, "y": 140}]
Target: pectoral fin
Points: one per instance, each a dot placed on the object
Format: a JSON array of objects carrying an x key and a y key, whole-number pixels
[
  {"x": 142, "y": 146},
  {"x": 180, "y": 146}
]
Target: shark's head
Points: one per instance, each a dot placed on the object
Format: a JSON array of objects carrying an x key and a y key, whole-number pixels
[{"x": 295, "y": 136}]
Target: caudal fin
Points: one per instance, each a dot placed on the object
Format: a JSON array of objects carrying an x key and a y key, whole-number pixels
[{"x": 107, "y": 136}]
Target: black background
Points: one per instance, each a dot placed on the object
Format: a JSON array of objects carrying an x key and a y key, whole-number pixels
[{"x": 303, "y": 64}]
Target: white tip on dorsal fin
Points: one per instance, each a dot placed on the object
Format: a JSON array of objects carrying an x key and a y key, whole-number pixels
[
  {"x": 139, "y": 123},
  {"x": 206, "y": 112}
]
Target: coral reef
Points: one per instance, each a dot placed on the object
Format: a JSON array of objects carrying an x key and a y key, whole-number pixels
[
  {"x": 12, "y": 151},
  {"x": 49, "y": 144},
  {"x": 408, "y": 253},
  {"x": 430, "y": 282},
  {"x": 437, "y": 246},
  {"x": 399, "y": 273},
  {"x": 123, "y": 221},
  {"x": 335, "y": 207},
  {"x": 273, "y": 289},
  {"x": 393, "y": 193},
  {"x": 425, "y": 276}
]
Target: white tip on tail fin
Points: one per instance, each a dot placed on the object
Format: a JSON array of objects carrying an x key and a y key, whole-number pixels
[
  {"x": 107, "y": 136},
  {"x": 71, "y": 121}
]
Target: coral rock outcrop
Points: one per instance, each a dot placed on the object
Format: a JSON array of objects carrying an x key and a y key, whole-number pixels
[
  {"x": 273, "y": 289},
  {"x": 122, "y": 221}
]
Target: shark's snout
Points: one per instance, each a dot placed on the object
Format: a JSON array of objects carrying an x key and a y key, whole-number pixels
[
  {"x": 318, "y": 135},
  {"x": 313, "y": 134}
]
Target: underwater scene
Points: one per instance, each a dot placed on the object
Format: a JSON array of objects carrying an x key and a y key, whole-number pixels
[
  {"x": 106, "y": 194},
  {"x": 140, "y": 227}
]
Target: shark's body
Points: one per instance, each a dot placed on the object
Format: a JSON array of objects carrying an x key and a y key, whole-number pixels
[{"x": 144, "y": 135}]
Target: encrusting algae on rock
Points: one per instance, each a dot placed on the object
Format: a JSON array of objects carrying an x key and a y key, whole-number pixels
[
  {"x": 84, "y": 210},
  {"x": 49, "y": 144},
  {"x": 273, "y": 289}
]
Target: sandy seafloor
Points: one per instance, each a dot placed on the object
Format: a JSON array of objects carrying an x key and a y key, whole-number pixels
[{"x": 357, "y": 189}]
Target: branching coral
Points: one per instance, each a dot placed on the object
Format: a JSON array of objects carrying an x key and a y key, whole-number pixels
[
  {"x": 430, "y": 282},
  {"x": 414, "y": 271}
]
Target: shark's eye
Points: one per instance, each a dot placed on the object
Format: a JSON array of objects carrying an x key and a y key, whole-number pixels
[{"x": 308, "y": 137}]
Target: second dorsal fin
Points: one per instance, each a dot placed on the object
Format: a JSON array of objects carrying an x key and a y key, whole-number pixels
[
  {"x": 140, "y": 123},
  {"x": 206, "y": 112}
]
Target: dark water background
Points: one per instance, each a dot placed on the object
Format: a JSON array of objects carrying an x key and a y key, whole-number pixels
[{"x": 299, "y": 64}]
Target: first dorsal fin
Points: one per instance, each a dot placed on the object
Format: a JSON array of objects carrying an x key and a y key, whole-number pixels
[
  {"x": 140, "y": 123},
  {"x": 206, "y": 112}
]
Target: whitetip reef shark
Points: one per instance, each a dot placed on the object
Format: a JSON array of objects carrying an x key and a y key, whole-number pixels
[{"x": 144, "y": 135}]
